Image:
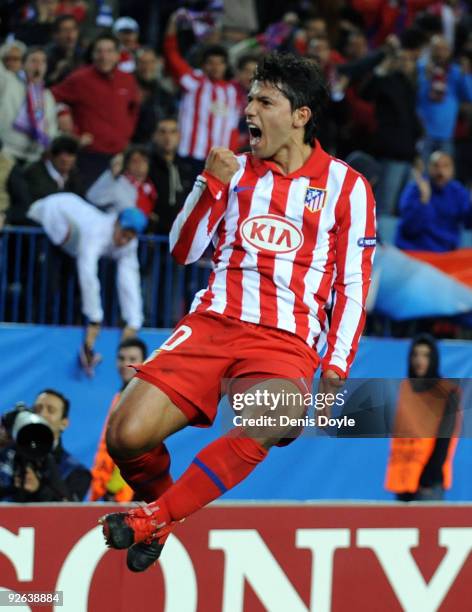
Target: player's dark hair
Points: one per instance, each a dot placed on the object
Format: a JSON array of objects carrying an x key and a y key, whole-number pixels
[
  {"x": 63, "y": 398},
  {"x": 134, "y": 343},
  {"x": 299, "y": 80}
]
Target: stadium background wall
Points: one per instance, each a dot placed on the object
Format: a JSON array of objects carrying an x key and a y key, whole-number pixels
[{"x": 35, "y": 357}]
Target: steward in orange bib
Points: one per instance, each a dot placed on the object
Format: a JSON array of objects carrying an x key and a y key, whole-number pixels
[
  {"x": 425, "y": 430},
  {"x": 107, "y": 482}
]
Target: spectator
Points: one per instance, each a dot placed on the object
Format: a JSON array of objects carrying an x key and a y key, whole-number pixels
[
  {"x": 313, "y": 27},
  {"x": 56, "y": 172},
  {"x": 209, "y": 111},
  {"x": 27, "y": 109},
  {"x": 59, "y": 477},
  {"x": 172, "y": 175},
  {"x": 246, "y": 67},
  {"x": 104, "y": 104},
  {"x": 65, "y": 52},
  {"x": 38, "y": 26},
  {"x": 78, "y": 9},
  {"x": 126, "y": 30},
  {"x": 126, "y": 183},
  {"x": 156, "y": 102},
  {"x": 442, "y": 86},
  {"x": 356, "y": 46},
  {"x": 107, "y": 483},
  {"x": 337, "y": 112},
  {"x": 12, "y": 54},
  {"x": 14, "y": 196},
  {"x": 425, "y": 429},
  {"x": 433, "y": 209},
  {"x": 88, "y": 234},
  {"x": 392, "y": 89}
]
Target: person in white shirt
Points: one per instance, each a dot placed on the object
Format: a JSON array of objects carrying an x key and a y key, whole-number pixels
[
  {"x": 28, "y": 114},
  {"x": 87, "y": 234}
]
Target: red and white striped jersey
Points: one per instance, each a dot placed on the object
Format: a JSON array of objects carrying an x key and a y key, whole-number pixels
[
  {"x": 209, "y": 110},
  {"x": 284, "y": 245}
]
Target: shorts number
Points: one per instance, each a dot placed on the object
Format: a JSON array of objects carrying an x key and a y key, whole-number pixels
[{"x": 181, "y": 334}]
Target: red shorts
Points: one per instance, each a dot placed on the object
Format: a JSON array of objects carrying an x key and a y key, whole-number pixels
[{"x": 206, "y": 348}]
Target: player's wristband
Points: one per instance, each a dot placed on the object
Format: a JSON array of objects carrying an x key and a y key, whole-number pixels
[{"x": 215, "y": 186}]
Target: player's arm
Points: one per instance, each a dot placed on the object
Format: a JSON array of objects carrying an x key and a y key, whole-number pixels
[
  {"x": 204, "y": 207},
  {"x": 355, "y": 248}
]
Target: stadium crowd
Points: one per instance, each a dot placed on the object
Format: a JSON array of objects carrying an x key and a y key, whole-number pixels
[
  {"x": 120, "y": 103},
  {"x": 81, "y": 84}
]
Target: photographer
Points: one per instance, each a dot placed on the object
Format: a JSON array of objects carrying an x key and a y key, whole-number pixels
[{"x": 54, "y": 476}]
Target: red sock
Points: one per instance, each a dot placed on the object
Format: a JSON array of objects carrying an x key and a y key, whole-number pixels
[
  {"x": 148, "y": 474},
  {"x": 218, "y": 467}
]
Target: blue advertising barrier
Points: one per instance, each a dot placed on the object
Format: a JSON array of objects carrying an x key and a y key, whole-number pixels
[{"x": 35, "y": 357}]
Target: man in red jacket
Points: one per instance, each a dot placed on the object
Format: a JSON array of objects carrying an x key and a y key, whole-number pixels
[{"x": 104, "y": 104}]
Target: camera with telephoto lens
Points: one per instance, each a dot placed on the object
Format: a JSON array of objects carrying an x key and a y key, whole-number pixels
[{"x": 32, "y": 436}]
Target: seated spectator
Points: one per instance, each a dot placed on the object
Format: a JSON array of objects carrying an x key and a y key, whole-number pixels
[
  {"x": 433, "y": 209},
  {"x": 126, "y": 30},
  {"x": 12, "y": 54},
  {"x": 64, "y": 53},
  {"x": 38, "y": 24},
  {"x": 57, "y": 477},
  {"x": 442, "y": 86},
  {"x": 57, "y": 170},
  {"x": 126, "y": 183},
  {"x": 27, "y": 109},
  {"x": 107, "y": 482},
  {"x": 392, "y": 89},
  {"x": 203, "y": 124},
  {"x": 172, "y": 175},
  {"x": 87, "y": 234},
  {"x": 104, "y": 104},
  {"x": 14, "y": 195},
  {"x": 156, "y": 102}
]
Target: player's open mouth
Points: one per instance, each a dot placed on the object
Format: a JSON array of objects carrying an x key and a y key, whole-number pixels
[{"x": 255, "y": 134}]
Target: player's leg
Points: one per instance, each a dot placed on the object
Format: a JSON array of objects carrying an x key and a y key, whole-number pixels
[
  {"x": 142, "y": 420},
  {"x": 227, "y": 461},
  {"x": 137, "y": 428},
  {"x": 217, "y": 468}
]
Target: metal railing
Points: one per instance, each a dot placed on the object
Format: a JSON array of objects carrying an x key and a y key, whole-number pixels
[{"x": 38, "y": 282}]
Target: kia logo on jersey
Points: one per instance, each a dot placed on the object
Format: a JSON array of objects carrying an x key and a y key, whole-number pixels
[{"x": 272, "y": 233}]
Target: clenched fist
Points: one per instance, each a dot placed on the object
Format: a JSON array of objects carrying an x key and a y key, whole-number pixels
[{"x": 222, "y": 163}]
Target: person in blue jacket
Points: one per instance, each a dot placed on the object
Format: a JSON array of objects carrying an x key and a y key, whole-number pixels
[
  {"x": 433, "y": 209},
  {"x": 441, "y": 87}
]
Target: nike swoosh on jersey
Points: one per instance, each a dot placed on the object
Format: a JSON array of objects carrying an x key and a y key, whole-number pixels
[{"x": 238, "y": 188}]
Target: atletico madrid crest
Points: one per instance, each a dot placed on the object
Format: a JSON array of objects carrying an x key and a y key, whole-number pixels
[{"x": 315, "y": 198}]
